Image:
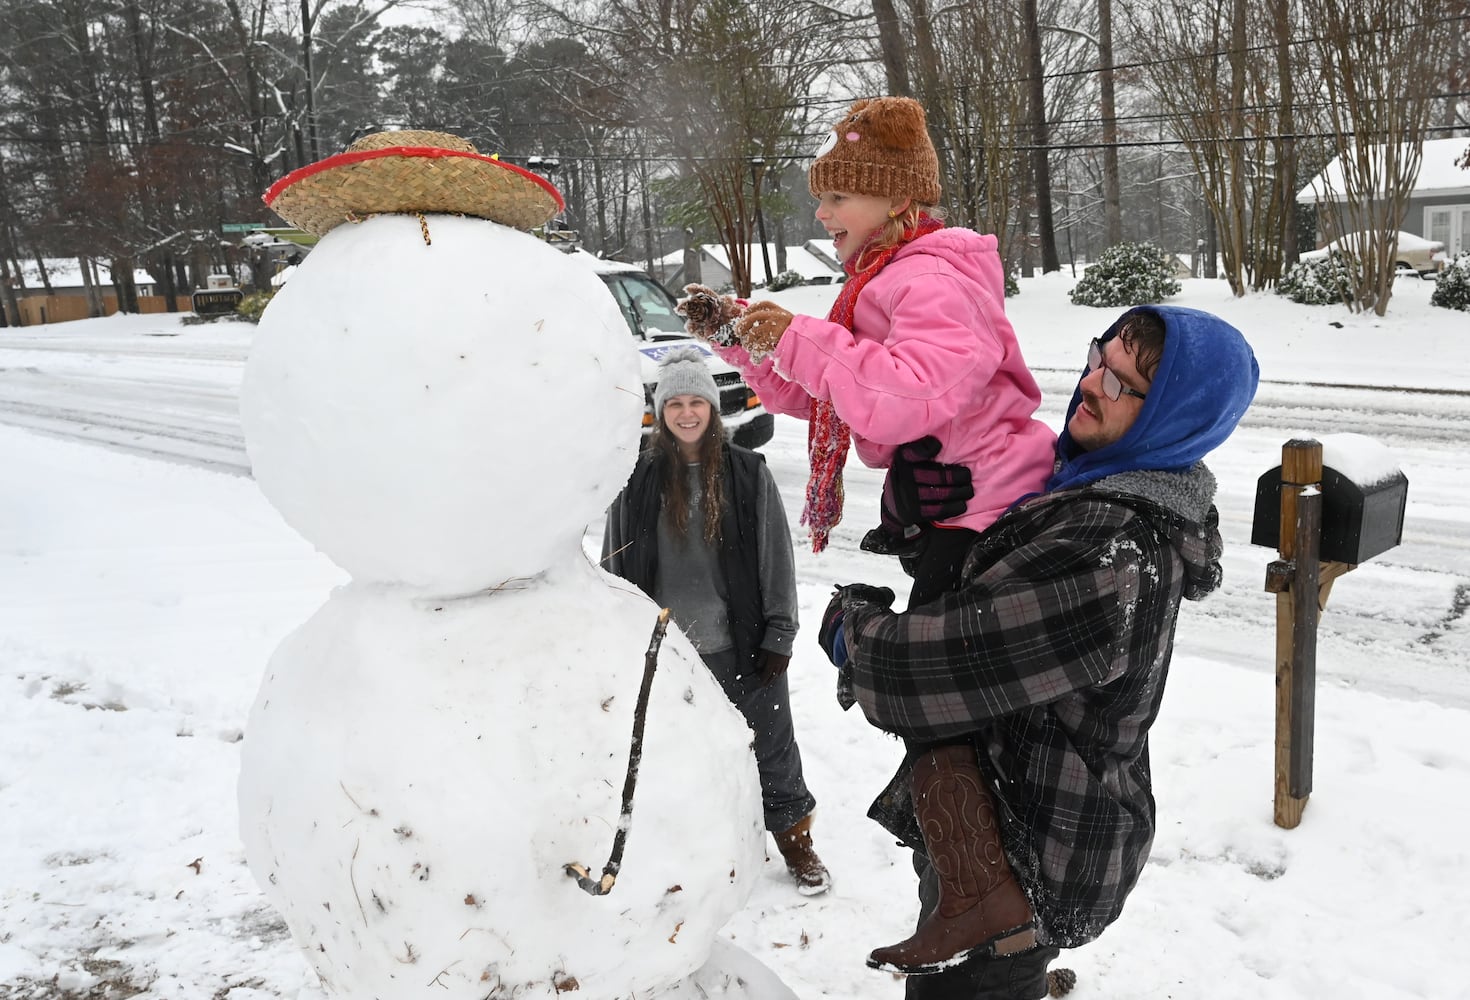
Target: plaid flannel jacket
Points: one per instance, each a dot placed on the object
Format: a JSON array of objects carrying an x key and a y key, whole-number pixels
[{"x": 1051, "y": 656}]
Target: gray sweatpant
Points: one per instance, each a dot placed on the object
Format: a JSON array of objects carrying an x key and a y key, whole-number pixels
[{"x": 767, "y": 710}]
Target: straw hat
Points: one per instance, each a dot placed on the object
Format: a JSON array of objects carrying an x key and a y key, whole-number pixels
[{"x": 412, "y": 172}]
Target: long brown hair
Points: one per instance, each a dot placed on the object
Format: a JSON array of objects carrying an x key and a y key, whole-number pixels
[
  {"x": 892, "y": 232},
  {"x": 676, "y": 480}
]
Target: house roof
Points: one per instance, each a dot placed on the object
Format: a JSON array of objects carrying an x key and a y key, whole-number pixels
[{"x": 1438, "y": 174}]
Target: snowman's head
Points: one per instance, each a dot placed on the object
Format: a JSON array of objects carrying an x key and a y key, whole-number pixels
[
  {"x": 413, "y": 172},
  {"x": 391, "y": 386}
]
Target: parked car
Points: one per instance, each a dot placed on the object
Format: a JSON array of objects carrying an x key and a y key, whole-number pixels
[
  {"x": 1415, "y": 253},
  {"x": 648, "y": 309}
]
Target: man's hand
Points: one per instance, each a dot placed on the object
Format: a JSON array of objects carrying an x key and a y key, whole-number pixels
[
  {"x": 772, "y": 665},
  {"x": 844, "y": 599},
  {"x": 707, "y": 314},
  {"x": 759, "y": 328}
]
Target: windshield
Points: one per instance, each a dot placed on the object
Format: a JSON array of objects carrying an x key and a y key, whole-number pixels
[{"x": 646, "y": 306}]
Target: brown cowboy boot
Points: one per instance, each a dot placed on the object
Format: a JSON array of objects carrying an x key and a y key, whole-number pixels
[
  {"x": 795, "y": 845},
  {"x": 981, "y": 908}
]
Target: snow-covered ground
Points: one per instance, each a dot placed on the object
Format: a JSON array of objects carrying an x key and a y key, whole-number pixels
[{"x": 140, "y": 599}]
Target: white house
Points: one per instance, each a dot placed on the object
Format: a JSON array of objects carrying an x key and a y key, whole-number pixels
[
  {"x": 813, "y": 260},
  {"x": 65, "y": 276},
  {"x": 1439, "y": 205}
]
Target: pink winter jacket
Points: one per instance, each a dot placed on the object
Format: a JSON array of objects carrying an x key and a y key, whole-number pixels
[{"x": 932, "y": 353}]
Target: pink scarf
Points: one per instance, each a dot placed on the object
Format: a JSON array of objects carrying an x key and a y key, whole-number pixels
[{"x": 828, "y": 436}]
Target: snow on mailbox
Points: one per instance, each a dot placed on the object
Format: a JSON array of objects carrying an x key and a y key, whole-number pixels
[{"x": 1363, "y": 499}]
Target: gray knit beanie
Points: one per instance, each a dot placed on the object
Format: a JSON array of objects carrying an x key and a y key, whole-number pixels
[{"x": 684, "y": 372}]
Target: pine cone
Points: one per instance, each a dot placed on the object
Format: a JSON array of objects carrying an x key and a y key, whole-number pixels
[
  {"x": 1059, "y": 982},
  {"x": 705, "y": 311}
]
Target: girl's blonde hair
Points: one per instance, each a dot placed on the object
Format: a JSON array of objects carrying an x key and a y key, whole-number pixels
[{"x": 891, "y": 233}]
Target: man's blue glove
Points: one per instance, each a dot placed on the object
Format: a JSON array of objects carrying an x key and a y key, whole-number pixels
[{"x": 844, "y": 598}]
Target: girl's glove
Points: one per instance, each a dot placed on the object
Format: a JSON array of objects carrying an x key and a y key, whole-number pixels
[
  {"x": 707, "y": 314},
  {"x": 917, "y": 491},
  {"x": 759, "y": 328}
]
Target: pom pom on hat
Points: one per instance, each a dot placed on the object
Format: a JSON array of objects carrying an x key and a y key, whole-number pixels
[
  {"x": 880, "y": 147},
  {"x": 684, "y": 372}
]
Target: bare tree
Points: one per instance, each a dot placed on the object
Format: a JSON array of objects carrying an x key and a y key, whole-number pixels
[
  {"x": 1222, "y": 100},
  {"x": 1378, "y": 59},
  {"x": 716, "y": 86}
]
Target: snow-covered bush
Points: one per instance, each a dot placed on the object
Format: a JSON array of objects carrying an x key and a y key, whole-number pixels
[
  {"x": 786, "y": 279},
  {"x": 1128, "y": 274},
  {"x": 1013, "y": 287},
  {"x": 1323, "y": 281},
  {"x": 252, "y": 305},
  {"x": 1452, "y": 287}
]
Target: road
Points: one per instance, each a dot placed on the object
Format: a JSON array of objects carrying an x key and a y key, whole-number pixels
[{"x": 1396, "y": 625}]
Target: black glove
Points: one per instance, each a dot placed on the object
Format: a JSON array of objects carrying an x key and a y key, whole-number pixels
[
  {"x": 919, "y": 490},
  {"x": 844, "y": 599},
  {"x": 855, "y": 594},
  {"x": 772, "y": 665}
]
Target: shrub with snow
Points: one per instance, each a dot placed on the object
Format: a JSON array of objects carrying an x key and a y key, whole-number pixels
[
  {"x": 252, "y": 305},
  {"x": 1322, "y": 281},
  {"x": 1128, "y": 274},
  {"x": 1452, "y": 287},
  {"x": 786, "y": 279}
]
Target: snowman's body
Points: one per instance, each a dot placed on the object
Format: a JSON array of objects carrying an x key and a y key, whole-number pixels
[{"x": 430, "y": 750}]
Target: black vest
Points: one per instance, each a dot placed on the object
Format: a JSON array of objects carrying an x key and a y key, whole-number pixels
[{"x": 739, "y": 540}]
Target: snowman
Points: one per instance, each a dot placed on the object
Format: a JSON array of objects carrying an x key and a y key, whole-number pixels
[{"x": 441, "y": 403}]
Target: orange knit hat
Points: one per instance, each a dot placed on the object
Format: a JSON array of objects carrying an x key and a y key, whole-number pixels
[{"x": 880, "y": 147}]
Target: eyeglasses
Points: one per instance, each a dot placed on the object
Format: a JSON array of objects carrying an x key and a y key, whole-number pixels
[{"x": 1112, "y": 386}]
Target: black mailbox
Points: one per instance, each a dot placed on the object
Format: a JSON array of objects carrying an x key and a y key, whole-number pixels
[{"x": 1358, "y": 522}]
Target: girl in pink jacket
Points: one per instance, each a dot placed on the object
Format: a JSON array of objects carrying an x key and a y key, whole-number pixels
[{"x": 916, "y": 346}]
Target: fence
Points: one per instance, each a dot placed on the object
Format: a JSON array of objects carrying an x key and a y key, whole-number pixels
[{"x": 38, "y": 309}]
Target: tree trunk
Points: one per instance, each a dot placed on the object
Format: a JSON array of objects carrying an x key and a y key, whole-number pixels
[
  {"x": 127, "y": 288},
  {"x": 306, "y": 25},
  {"x": 95, "y": 305},
  {"x": 1040, "y": 164},
  {"x": 9, "y": 307},
  {"x": 170, "y": 288},
  {"x": 1112, "y": 189},
  {"x": 890, "y": 44}
]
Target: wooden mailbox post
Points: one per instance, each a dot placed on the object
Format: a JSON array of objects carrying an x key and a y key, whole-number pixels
[{"x": 1323, "y": 525}]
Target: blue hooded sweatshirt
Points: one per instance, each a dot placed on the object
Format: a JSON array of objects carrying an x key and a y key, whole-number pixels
[{"x": 1206, "y": 378}]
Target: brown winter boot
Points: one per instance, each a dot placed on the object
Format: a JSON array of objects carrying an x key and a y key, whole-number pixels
[
  {"x": 981, "y": 908},
  {"x": 795, "y": 844}
]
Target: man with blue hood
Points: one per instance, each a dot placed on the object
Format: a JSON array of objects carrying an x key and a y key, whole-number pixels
[{"x": 1033, "y": 684}]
